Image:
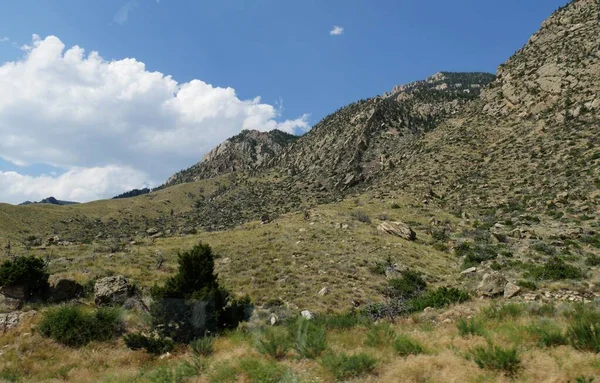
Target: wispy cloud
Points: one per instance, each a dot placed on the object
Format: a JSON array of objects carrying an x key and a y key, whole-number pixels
[
  {"x": 4, "y": 39},
  {"x": 122, "y": 14},
  {"x": 336, "y": 31}
]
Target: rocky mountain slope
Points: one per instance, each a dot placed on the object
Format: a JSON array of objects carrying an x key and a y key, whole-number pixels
[
  {"x": 531, "y": 140},
  {"x": 246, "y": 151}
]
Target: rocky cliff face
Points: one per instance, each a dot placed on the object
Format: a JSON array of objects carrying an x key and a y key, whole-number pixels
[
  {"x": 532, "y": 137},
  {"x": 356, "y": 143},
  {"x": 555, "y": 75},
  {"x": 246, "y": 151}
]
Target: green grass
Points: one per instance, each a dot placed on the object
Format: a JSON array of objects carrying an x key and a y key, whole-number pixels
[
  {"x": 548, "y": 334},
  {"x": 467, "y": 327},
  {"x": 274, "y": 342},
  {"x": 405, "y": 346},
  {"x": 380, "y": 334},
  {"x": 262, "y": 371},
  {"x": 343, "y": 366},
  {"x": 311, "y": 339},
  {"x": 497, "y": 358}
]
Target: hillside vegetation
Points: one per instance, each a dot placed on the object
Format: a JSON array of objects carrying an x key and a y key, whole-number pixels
[{"x": 446, "y": 231}]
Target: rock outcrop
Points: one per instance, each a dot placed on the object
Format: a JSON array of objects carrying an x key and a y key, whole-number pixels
[{"x": 112, "y": 290}]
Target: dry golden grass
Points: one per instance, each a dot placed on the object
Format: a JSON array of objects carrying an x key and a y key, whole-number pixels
[{"x": 28, "y": 357}]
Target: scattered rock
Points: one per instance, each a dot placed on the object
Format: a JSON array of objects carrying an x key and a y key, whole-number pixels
[
  {"x": 11, "y": 320},
  {"x": 399, "y": 229},
  {"x": 8, "y": 304},
  {"x": 135, "y": 303},
  {"x": 511, "y": 290},
  {"x": 152, "y": 231},
  {"x": 15, "y": 292},
  {"x": 306, "y": 314},
  {"x": 324, "y": 291},
  {"x": 64, "y": 289},
  {"x": 273, "y": 319},
  {"x": 112, "y": 290},
  {"x": 469, "y": 271},
  {"x": 530, "y": 297},
  {"x": 491, "y": 285}
]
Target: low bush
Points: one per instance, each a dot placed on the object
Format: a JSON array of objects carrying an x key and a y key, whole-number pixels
[
  {"x": 584, "y": 331},
  {"x": 203, "y": 346},
  {"x": 263, "y": 372},
  {"x": 547, "y": 334},
  {"x": 380, "y": 334},
  {"x": 501, "y": 312},
  {"x": 408, "y": 286},
  {"x": 405, "y": 346},
  {"x": 74, "y": 326},
  {"x": 470, "y": 327},
  {"x": 340, "y": 321},
  {"x": 361, "y": 216},
  {"x": 29, "y": 272},
  {"x": 555, "y": 269},
  {"x": 440, "y": 297},
  {"x": 496, "y": 358},
  {"x": 274, "y": 342},
  {"x": 344, "y": 367},
  {"x": 311, "y": 339},
  {"x": 152, "y": 345}
]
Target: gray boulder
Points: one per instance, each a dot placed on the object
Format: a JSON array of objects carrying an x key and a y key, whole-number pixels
[
  {"x": 8, "y": 304},
  {"x": 14, "y": 319},
  {"x": 491, "y": 285},
  {"x": 399, "y": 229},
  {"x": 112, "y": 291},
  {"x": 15, "y": 292},
  {"x": 511, "y": 290},
  {"x": 65, "y": 289}
]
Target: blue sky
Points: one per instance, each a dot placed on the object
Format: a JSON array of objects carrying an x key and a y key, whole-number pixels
[{"x": 279, "y": 50}]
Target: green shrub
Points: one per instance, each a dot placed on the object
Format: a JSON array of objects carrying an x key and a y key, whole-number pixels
[
  {"x": 73, "y": 326},
  {"x": 501, "y": 312},
  {"x": 262, "y": 372},
  {"x": 339, "y": 321},
  {"x": 592, "y": 260},
  {"x": 496, "y": 358},
  {"x": 191, "y": 303},
  {"x": 556, "y": 269},
  {"x": 529, "y": 285},
  {"x": 361, "y": 216},
  {"x": 152, "y": 345},
  {"x": 440, "y": 297},
  {"x": 548, "y": 334},
  {"x": 584, "y": 331},
  {"x": 311, "y": 339},
  {"x": 274, "y": 342},
  {"x": 470, "y": 327},
  {"x": 223, "y": 373},
  {"x": 344, "y": 367},
  {"x": 461, "y": 249},
  {"x": 544, "y": 248},
  {"x": 405, "y": 346},
  {"x": 177, "y": 374},
  {"x": 29, "y": 272},
  {"x": 408, "y": 286},
  {"x": 542, "y": 310},
  {"x": 203, "y": 346},
  {"x": 380, "y": 334}
]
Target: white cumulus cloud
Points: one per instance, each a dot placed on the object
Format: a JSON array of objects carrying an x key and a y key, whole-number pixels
[
  {"x": 336, "y": 31},
  {"x": 73, "y": 110}
]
